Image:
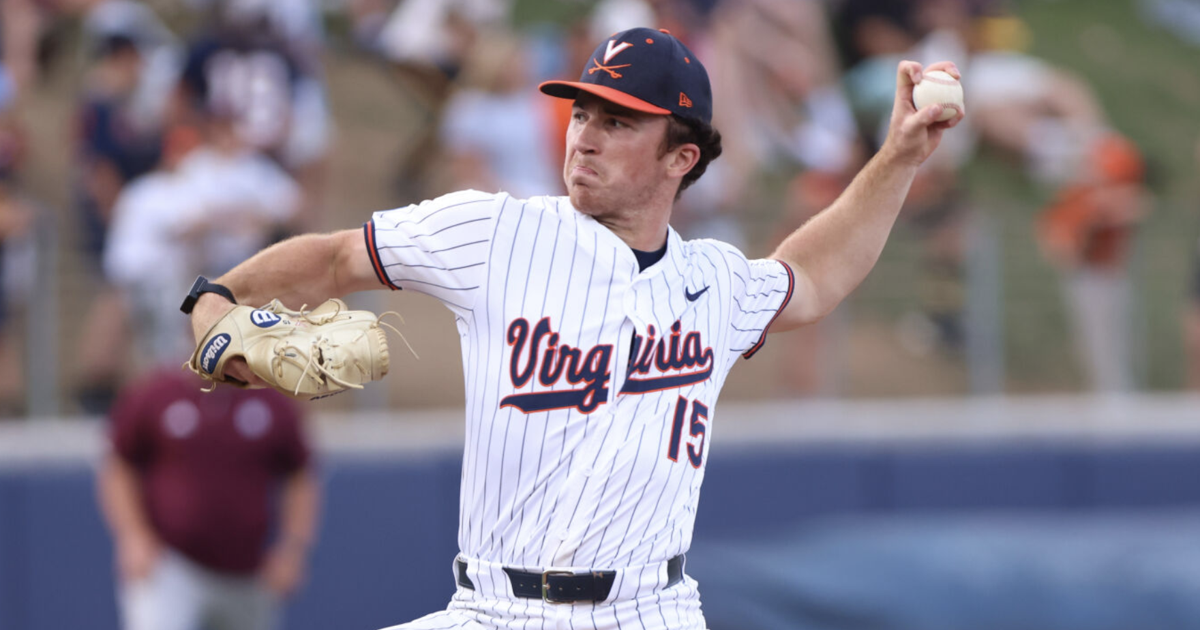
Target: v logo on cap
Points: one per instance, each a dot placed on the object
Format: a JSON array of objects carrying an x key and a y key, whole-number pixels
[
  {"x": 659, "y": 77},
  {"x": 610, "y": 51}
]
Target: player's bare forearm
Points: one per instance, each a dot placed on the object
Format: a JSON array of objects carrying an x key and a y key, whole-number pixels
[
  {"x": 307, "y": 269},
  {"x": 832, "y": 253}
]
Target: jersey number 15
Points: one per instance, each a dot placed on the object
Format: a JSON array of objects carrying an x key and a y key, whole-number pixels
[{"x": 696, "y": 427}]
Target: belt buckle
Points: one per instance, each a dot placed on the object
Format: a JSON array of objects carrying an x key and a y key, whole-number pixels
[{"x": 546, "y": 587}]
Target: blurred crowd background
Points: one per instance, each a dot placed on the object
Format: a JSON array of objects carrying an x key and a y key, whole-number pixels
[
  {"x": 996, "y": 431},
  {"x": 1048, "y": 246}
]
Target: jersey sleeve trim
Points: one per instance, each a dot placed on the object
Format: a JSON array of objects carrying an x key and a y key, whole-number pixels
[
  {"x": 786, "y": 299},
  {"x": 373, "y": 251}
]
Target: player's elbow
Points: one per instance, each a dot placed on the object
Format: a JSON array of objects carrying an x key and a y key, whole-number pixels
[
  {"x": 808, "y": 304},
  {"x": 799, "y": 314},
  {"x": 351, "y": 268}
]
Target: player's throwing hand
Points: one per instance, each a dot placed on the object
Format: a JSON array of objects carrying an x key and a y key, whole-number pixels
[{"x": 914, "y": 134}]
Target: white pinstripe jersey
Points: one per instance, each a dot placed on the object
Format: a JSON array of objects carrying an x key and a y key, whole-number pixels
[{"x": 591, "y": 386}]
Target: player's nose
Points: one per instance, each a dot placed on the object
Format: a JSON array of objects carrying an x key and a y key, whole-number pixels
[{"x": 584, "y": 140}]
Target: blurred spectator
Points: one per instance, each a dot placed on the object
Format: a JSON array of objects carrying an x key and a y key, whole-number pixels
[
  {"x": 1024, "y": 105},
  {"x": 496, "y": 129},
  {"x": 782, "y": 113},
  {"x": 427, "y": 43},
  {"x": 298, "y": 23},
  {"x": 188, "y": 490},
  {"x": 114, "y": 146},
  {"x": 211, "y": 204},
  {"x": 17, "y": 272},
  {"x": 20, "y": 217},
  {"x": 147, "y": 255},
  {"x": 614, "y": 16},
  {"x": 22, "y": 31},
  {"x": 367, "y": 18},
  {"x": 160, "y": 52},
  {"x": 114, "y": 149},
  {"x": 688, "y": 20},
  {"x": 1054, "y": 122},
  {"x": 244, "y": 198},
  {"x": 1086, "y": 233},
  {"x": 782, "y": 100},
  {"x": 259, "y": 63},
  {"x": 874, "y": 36},
  {"x": 1191, "y": 315},
  {"x": 1181, "y": 17},
  {"x": 938, "y": 205},
  {"x": 36, "y": 31},
  {"x": 1017, "y": 103},
  {"x": 437, "y": 34}
]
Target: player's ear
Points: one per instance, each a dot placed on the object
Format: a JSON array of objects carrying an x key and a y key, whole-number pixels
[{"x": 682, "y": 158}]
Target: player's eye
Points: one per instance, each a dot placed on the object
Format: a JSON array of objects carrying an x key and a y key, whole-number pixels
[{"x": 578, "y": 116}]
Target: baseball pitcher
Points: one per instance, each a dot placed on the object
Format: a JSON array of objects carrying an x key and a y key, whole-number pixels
[{"x": 595, "y": 340}]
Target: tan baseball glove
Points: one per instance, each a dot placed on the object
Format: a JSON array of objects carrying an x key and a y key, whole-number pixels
[{"x": 304, "y": 354}]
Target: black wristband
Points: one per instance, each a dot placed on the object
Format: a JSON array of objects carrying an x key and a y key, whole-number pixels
[{"x": 200, "y": 287}]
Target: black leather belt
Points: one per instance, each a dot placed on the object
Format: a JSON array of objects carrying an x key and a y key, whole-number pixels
[{"x": 564, "y": 587}]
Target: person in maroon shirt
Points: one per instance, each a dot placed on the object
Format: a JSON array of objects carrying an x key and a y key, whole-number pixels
[{"x": 188, "y": 489}]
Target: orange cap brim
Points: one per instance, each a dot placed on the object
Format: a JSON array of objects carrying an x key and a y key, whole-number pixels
[{"x": 570, "y": 89}]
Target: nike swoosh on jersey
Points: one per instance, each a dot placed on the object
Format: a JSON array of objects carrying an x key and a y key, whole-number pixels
[{"x": 692, "y": 297}]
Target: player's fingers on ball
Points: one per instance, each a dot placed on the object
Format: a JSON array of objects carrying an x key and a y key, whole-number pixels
[
  {"x": 929, "y": 115},
  {"x": 936, "y": 122},
  {"x": 948, "y": 67},
  {"x": 908, "y": 73},
  {"x": 962, "y": 113}
]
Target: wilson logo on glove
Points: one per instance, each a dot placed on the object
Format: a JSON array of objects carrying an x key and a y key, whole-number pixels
[
  {"x": 213, "y": 351},
  {"x": 264, "y": 319},
  {"x": 313, "y": 354}
]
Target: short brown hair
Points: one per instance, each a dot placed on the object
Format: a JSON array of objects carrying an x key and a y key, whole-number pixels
[{"x": 681, "y": 131}]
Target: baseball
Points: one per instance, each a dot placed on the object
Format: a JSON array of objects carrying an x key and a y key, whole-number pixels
[{"x": 940, "y": 88}]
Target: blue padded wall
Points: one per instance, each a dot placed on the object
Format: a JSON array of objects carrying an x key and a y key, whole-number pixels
[{"x": 389, "y": 525}]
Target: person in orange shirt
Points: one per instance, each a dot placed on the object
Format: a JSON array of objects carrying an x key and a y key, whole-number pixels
[
  {"x": 1191, "y": 316},
  {"x": 1087, "y": 232}
]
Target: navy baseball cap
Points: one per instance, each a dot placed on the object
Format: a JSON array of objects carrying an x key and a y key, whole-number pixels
[{"x": 645, "y": 70}]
